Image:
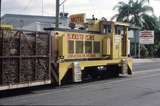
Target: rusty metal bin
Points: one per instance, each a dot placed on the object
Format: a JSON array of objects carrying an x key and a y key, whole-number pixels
[{"x": 24, "y": 59}]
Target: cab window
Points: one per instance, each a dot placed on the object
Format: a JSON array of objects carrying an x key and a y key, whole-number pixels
[
  {"x": 107, "y": 29},
  {"x": 88, "y": 46},
  {"x": 117, "y": 30},
  {"x": 79, "y": 46},
  {"x": 71, "y": 46},
  {"x": 96, "y": 47}
]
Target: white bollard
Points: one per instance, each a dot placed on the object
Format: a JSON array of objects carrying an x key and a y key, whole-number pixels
[{"x": 77, "y": 74}]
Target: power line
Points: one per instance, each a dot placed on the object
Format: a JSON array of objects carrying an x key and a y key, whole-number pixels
[
  {"x": 62, "y": 2},
  {"x": 42, "y": 8},
  {"x": 25, "y": 8},
  {"x": 0, "y": 13},
  {"x": 28, "y": 5}
]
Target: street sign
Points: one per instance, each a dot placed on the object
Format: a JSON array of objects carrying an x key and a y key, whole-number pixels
[
  {"x": 146, "y": 37},
  {"x": 77, "y": 19},
  {"x": 130, "y": 34}
]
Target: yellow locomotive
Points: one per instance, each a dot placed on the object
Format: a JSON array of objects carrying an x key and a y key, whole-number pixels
[{"x": 100, "y": 50}]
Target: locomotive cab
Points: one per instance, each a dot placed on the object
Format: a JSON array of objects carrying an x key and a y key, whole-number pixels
[
  {"x": 104, "y": 46},
  {"x": 119, "y": 37}
]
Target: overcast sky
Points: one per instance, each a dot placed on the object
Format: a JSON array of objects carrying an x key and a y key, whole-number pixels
[{"x": 100, "y": 8}]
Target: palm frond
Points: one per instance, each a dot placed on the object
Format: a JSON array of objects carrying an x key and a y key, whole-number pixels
[
  {"x": 135, "y": 12},
  {"x": 147, "y": 9},
  {"x": 115, "y": 16}
]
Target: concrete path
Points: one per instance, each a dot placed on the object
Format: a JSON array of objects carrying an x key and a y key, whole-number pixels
[{"x": 146, "y": 60}]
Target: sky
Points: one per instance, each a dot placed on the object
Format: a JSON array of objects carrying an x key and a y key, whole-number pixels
[{"x": 100, "y": 8}]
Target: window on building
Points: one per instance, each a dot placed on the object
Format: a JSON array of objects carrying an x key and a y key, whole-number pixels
[
  {"x": 88, "y": 46},
  {"x": 96, "y": 47},
  {"x": 79, "y": 46},
  {"x": 71, "y": 46}
]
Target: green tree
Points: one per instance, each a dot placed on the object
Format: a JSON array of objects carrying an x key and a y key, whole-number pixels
[
  {"x": 137, "y": 12},
  {"x": 134, "y": 12}
]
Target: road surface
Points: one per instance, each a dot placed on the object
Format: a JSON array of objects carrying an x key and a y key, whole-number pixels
[{"x": 141, "y": 89}]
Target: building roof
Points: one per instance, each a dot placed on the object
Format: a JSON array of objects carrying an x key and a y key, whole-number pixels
[
  {"x": 22, "y": 15},
  {"x": 18, "y": 20}
]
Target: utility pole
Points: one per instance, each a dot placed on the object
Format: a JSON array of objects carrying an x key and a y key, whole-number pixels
[
  {"x": 0, "y": 13},
  {"x": 57, "y": 13},
  {"x": 42, "y": 8}
]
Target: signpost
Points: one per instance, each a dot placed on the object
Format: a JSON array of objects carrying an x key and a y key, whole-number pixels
[
  {"x": 77, "y": 19},
  {"x": 145, "y": 37}
]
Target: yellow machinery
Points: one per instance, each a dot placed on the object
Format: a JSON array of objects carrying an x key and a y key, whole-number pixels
[
  {"x": 6, "y": 26},
  {"x": 102, "y": 49}
]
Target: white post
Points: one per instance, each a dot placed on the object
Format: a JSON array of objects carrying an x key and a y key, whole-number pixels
[{"x": 139, "y": 50}]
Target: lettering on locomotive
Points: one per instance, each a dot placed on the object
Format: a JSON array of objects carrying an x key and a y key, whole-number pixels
[{"x": 75, "y": 36}]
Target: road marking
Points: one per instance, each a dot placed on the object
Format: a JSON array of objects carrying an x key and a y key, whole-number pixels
[{"x": 146, "y": 71}]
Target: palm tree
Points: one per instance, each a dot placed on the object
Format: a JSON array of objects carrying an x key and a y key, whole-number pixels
[
  {"x": 124, "y": 10},
  {"x": 134, "y": 12}
]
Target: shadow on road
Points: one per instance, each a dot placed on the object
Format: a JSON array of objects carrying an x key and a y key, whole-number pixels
[
  {"x": 37, "y": 89},
  {"x": 24, "y": 91}
]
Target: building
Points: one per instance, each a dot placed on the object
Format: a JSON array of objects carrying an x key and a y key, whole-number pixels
[{"x": 33, "y": 22}]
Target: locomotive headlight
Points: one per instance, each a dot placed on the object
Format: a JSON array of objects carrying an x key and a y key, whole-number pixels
[
  {"x": 100, "y": 68},
  {"x": 124, "y": 60}
]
